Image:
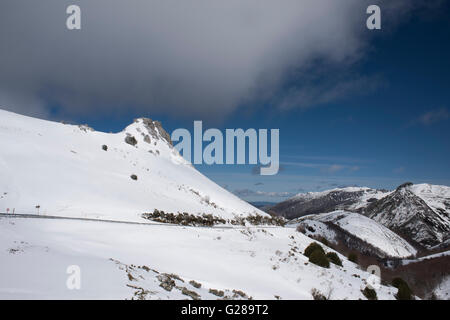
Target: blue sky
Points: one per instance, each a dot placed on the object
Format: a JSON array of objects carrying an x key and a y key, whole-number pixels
[{"x": 377, "y": 119}]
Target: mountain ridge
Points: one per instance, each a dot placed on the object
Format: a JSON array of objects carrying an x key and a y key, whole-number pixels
[
  {"x": 406, "y": 212},
  {"x": 419, "y": 212}
]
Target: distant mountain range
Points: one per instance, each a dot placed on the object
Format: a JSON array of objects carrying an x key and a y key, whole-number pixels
[
  {"x": 350, "y": 198},
  {"x": 262, "y": 204},
  {"x": 420, "y": 213}
]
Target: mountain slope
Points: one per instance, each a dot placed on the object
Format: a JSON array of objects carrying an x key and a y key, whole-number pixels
[
  {"x": 419, "y": 212},
  {"x": 435, "y": 196},
  {"x": 405, "y": 211},
  {"x": 65, "y": 170},
  {"x": 383, "y": 241},
  {"x": 124, "y": 261},
  {"x": 351, "y": 198}
]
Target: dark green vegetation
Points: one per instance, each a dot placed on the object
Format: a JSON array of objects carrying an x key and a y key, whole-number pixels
[
  {"x": 353, "y": 257},
  {"x": 319, "y": 258},
  {"x": 317, "y": 255},
  {"x": 404, "y": 292},
  {"x": 313, "y": 247},
  {"x": 209, "y": 220},
  {"x": 334, "y": 258},
  {"x": 370, "y": 294}
]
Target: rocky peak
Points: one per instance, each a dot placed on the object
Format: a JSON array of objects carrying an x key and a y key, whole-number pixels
[
  {"x": 155, "y": 128},
  {"x": 149, "y": 130},
  {"x": 408, "y": 213},
  {"x": 404, "y": 186}
]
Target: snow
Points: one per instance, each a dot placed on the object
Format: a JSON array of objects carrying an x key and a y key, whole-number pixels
[
  {"x": 363, "y": 194},
  {"x": 435, "y": 196},
  {"x": 367, "y": 195},
  {"x": 317, "y": 228},
  {"x": 318, "y": 194},
  {"x": 363, "y": 228},
  {"x": 261, "y": 262},
  {"x": 442, "y": 291},
  {"x": 63, "y": 169},
  {"x": 421, "y": 211},
  {"x": 429, "y": 192}
]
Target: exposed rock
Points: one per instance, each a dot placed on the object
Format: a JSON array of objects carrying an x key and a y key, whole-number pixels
[
  {"x": 167, "y": 283},
  {"x": 216, "y": 292},
  {"x": 85, "y": 128},
  {"x": 194, "y": 295},
  {"x": 240, "y": 293},
  {"x": 155, "y": 130},
  {"x": 404, "y": 185},
  {"x": 406, "y": 213},
  {"x": 195, "y": 284},
  {"x": 131, "y": 140}
]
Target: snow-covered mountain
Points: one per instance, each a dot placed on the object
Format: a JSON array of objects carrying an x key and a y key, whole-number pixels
[
  {"x": 420, "y": 212},
  {"x": 74, "y": 171},
  {"x": 350, "y": 198},
  {"x": 153, "y": 261},
  {"x": 349, "y": 227},
  {"x": 435, "y": 196},
  {"x": 67, "y": 174}
]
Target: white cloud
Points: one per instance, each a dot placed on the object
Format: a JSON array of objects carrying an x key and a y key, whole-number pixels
[
  {"x": 333, "y": 89},
  {"x": 333, "y": 168},
  {"x": 323, "y": 167},
  {"x": 434, "y": 116}
]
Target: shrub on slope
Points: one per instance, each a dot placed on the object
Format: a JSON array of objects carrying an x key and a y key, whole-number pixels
[
  {"x": 334, "y": 258},
  {"x": 319, "y": 258},
  {"x": 404, "y": 292},
  {"x": 370, "y": 294},
  {"x": 313, "y": 247}
]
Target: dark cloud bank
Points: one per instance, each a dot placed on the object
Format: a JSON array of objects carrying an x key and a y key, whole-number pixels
[{"x": 177, "y": 57}]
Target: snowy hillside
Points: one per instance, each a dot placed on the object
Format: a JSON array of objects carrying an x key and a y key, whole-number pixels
[
  {"x": 71, "y": 170},
  {"x": 319, "y": 194},
  {"x": 150, "y": 261},
  {"x": 359, "y": 226},
  {"x": 418, "y": 211},
  {"x": 435, "y": 196}
]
